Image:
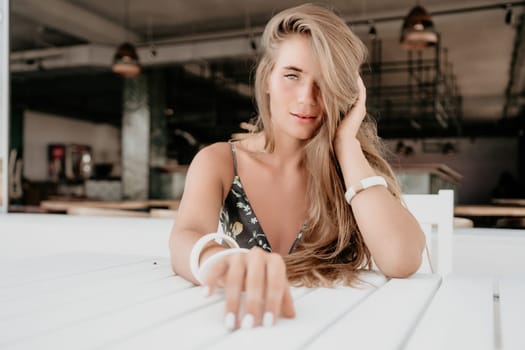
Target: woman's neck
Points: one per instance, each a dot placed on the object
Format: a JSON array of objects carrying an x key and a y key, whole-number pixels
[{"x": 287, "y": 153}]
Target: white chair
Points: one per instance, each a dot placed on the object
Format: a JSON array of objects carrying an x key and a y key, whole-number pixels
[{"x": 435, "y": 213}]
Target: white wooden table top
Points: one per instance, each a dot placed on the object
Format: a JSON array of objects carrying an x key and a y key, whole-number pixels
[{"x": 110, "y": 301}]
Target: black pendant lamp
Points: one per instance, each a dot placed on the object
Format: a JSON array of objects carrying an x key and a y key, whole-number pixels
[
  {"x": 126, "y": 61},
  {"x": 418, "y": 30}
]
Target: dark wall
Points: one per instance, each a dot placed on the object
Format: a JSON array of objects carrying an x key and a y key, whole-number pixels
[
  {"x": 204, "y": 107},
  {"x": 94, "y": 96}
]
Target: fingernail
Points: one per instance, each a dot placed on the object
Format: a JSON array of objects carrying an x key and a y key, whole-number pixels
[
  {"x": 205, "y": 291},
  {"x": 268, "y": 319},
  {"x": 247, "y": 321},
  {"x": 229, "y": 321}
]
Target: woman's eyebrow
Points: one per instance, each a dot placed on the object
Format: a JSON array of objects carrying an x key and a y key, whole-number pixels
[{"x": 293, "y": 68}]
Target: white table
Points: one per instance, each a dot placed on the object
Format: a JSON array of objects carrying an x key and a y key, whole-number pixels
[
  {"x": 105, "y": 283},
  {"x": 111, "y": 301}
]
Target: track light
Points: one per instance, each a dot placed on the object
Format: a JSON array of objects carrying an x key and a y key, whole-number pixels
[
  {"x": 509, "y": 15},
  {"x": 253, "y": 44},
  {"x": 372, "y": 32}
]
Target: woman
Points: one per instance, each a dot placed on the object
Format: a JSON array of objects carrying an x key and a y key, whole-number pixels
[{"x": 312, "y": 150}]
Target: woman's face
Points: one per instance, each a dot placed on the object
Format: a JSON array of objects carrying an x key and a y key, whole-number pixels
[{"x": 296, "y": 106}]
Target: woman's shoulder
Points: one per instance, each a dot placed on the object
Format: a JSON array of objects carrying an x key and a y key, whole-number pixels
[
  {"x": 217, "y": 149},
  {"x": 216, "y": 158}
]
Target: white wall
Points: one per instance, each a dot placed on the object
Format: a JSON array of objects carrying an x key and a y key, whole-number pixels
[
  {"x": 4, "y": 100},
  {"x": 479, "y": 160},
  {"x": 41, "y": 129}
]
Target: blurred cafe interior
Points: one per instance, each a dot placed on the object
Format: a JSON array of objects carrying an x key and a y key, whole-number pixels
[{"x": 108, "y": 101}]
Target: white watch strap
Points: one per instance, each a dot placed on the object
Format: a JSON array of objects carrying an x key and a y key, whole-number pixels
[{"x": 363, "y": 185}]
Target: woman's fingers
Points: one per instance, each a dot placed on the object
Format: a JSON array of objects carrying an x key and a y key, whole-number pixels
[
  {"x": 278, "y": 298},
  {"x": 255, "y": 287},
  {"x": 215, "y": 275},
  {"x": 233, "y": 287},
  {"x": 262, "y": 276},
  {"x": 288, "y": 310},
  {"x": 353, "y": 119},
  {"x": 362, "y": 88}
]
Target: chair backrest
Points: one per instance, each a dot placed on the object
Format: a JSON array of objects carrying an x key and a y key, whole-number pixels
[{"x": 435, "y": 213}]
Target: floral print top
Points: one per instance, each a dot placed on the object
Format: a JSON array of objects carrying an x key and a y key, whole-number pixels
[{"x": 238, "y": 220}]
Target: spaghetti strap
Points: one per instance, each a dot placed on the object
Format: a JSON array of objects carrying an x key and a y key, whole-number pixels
[{"x": 234, "y": 159}]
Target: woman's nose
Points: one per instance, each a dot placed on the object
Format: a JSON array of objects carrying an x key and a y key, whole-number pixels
[{"x": 308, "y": 94}]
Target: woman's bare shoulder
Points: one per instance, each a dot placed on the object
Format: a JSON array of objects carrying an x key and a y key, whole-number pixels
[
  {"x": 215, "y": 152},
  {"x": 216, "y": 158}
]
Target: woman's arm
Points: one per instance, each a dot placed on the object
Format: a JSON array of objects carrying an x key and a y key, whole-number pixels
[
  {"x": 260, "y": 274},
  {"x": 198, "y": 212},
  {"x": 391, "y": 233}
]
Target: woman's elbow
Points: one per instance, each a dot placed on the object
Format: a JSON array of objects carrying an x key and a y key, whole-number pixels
[{"x": 403, "y": 264}]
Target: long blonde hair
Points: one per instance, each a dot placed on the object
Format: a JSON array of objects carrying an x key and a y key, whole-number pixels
[{"x": 332, "y": 248}]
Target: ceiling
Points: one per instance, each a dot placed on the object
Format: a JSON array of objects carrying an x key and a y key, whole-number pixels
[{"x": 485, "y": 53}]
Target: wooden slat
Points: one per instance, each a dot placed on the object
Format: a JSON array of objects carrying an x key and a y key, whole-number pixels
[
  {"x": 50, "y": 295},
  {"x": 89, "y": 282},
  {"x": 20, "y": 272},
  {"x": 49, "y": 319},
  {"x": 394, "y": 309},
  {"x": 512, "y": 313},
  {"x": 100, "y": 321},
  {"x": 459, "y": 317},
  {"x": 316, "y": 312},
  {"x": 200, "y": 329}
]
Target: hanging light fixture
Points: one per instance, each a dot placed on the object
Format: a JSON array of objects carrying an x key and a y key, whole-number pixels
[
  {"x": 126, "y": 61},
  {"x": 372, "y": 32},
  {"x": 418, "y": 30},
  {"x": 508, "y": 14}
]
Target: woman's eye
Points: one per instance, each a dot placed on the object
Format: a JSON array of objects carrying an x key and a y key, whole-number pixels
[{"x": 291, "y": 76}]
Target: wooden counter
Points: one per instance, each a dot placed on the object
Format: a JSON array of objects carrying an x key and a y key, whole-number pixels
[
  {"x": 509, "y": 201},
  {"x": 64, "y": 205},
  {"x": 488, "y": 210}
]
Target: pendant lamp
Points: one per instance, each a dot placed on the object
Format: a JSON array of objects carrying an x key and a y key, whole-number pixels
[
  {"x": 418, "y": 30},
  {"x": 126, "y": 61}
]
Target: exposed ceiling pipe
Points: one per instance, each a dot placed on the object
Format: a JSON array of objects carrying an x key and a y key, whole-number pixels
[{"x": 446, "y": 12}]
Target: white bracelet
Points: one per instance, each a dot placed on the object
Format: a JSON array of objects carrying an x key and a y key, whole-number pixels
[
  {"x": 199, "y": 245},
  {"x": 214, "y": 258},
  {"x": 363, "y": 185}
]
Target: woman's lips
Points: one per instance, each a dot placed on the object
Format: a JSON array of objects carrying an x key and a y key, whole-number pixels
[{"x": 303, "y": 117}]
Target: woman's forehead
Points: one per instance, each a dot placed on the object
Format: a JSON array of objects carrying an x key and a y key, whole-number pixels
[{"x": 296, "y": 51}]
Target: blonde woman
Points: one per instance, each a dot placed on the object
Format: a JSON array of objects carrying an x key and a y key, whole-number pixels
[{"x": 323, "y": 203}]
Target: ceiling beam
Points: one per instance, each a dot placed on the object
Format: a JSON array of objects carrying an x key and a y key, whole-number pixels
[
  {"x": 74, "y": 20},
  {"x": 100, "y": 56}
]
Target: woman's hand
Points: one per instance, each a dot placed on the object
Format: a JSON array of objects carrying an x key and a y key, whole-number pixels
[
  {"x": 351, "y": 123},
  {"x": 262, "y": 276}
]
